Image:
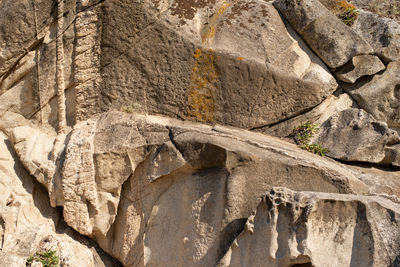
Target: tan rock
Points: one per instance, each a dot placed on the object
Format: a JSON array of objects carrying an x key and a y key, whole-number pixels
[
  {"x": 149, "y": 167},
  {"x": 354, "y": 135},
  {"x": 380, "y": 96},
  {"x": 317, "y": 115},
  {"x": 28, "y": 224},
  {"x": 333, "y": 41},
  {"x": 361, "y": 66},
  {"x": 312, "y": 229},
  {"x": 383, "y": 34}
]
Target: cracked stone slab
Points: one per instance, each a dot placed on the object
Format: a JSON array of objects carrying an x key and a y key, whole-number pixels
[
  {"x": 360, "y": 66},
  {"x": 333, "y": 41}
]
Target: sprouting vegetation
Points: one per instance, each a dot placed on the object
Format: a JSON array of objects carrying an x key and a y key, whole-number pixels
[
  {"x": 48, "y": 258},
  {"x": 348, "y": 13},
  {"x": 303, "y": 134}
]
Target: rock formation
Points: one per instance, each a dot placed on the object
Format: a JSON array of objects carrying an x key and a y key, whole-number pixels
[{"x": 159, "y": 133}]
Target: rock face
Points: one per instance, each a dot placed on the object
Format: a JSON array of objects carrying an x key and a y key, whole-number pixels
[
  {"x": 380, "y": 96},
  {"x": 28, "y": 224},
  {"x": 330, "y": 38},
  {"x": 383, "y": 34},
  {"x": 362, "y": 138},
  {"x": 167, "y": 160},
  {"x": 312, "y": 229},
  {"x": 136, "y": 120},
  {"x": 361, "y": 66}
]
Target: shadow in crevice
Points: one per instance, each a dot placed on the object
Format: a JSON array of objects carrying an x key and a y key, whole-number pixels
[{"x": 229, "y": 234}]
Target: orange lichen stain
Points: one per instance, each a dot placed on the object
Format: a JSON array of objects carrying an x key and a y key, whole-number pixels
[
  {"x": 210, "y": 31},
  {"x": 203, "y": 81},
  {"x": 344, "y": 4},
  {"x": 240, "y": 58}
]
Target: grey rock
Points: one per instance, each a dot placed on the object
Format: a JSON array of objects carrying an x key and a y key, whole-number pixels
[
  {"x": 380, "y": 95},
  {"x": 354, "y": 135},
  {"x": 286, "y": 230},
  {"x": 333, "y": 41},
  {"x": 383, "y": 34},
  {"x": 361, "y": 66}
]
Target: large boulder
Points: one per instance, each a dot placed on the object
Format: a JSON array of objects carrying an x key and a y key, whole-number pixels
[
  {"x": 318, "y": 229},
  {"x": 28, "y": 224},
  {"x": 213, "y": 61},
  {"x": 380, "y": 95},
  {"x": 383, "y": 34},
  {"x": 333, "y": 41},
  {"x": 364, "y": 65},
  {"x": 354, "y": 135},
  {"x": 124, "y": 171}
]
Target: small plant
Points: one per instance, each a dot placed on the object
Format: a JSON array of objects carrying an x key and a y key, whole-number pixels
[
  {"x": 47, "y": 259},
  {"x": 131, "y": 109},
  {"x": 348, "y": 13},
  {"x": 302, "y": 135}
]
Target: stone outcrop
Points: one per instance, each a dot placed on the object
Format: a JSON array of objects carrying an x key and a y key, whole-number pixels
[
  {"x": 380, "y": 95},
  {"x": 137, "y": 120},
  {"x": 360, "y": 66},
  {"x": 383, "y": 34},
  {"x": 318, "y": 229},
  {"x": 362, "y": 138},
  {"x": 330, "y": 38},
  {"x": 166, "y": 159},
  {"x": 28, "y": 224}
]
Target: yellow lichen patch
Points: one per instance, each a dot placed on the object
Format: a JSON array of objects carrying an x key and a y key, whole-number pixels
[
  {"x": 240, "y": 58},
  {"x": 210, "y": 31},
  {"x": 203, "y": 82}
]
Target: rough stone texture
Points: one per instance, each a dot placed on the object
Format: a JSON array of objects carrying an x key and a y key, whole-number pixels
[
  {"x": 169, "y": 59},
  {"x": 362, "y": 138},
  {"x": 318, "y": 229},
  {"x": 156, "y": 191},
  {"x": 333, "y": 41},
  {"x": 381, "y": 180},
  {"x": 226, "y": 69},
  {"x": 319, "y": 114},
  {"x": 28, "y": 224},
  {"x": 360, "y": 66},
  {"x": 383, "y": 34},
  {"x": 385, "y": 8},
  {"x": 138, "y": 170},
  {"x": 380, "y": 95}
]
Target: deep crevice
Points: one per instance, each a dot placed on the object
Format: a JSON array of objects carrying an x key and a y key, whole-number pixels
[{"x": 386, "y": 168}]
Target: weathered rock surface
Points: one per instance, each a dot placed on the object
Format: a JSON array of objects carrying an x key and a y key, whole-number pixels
[
  {"x": 157, "y": 191},
  {"x": 318, "y": 229},
  {"x": 28, "y": 224},
  {"x": 113, "y": 161},
  {"x": 318, "y": 115},
  {"x": 181, "y": 63},
  {"x": 383, "y": 34},
  {"x": 333, "y": 41},
  {"x": 385, "y": 8},
  {"x": 360, "y": 66},
  {"x": 380, "y": 96},
  {"x": 362, "y": 138}
]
